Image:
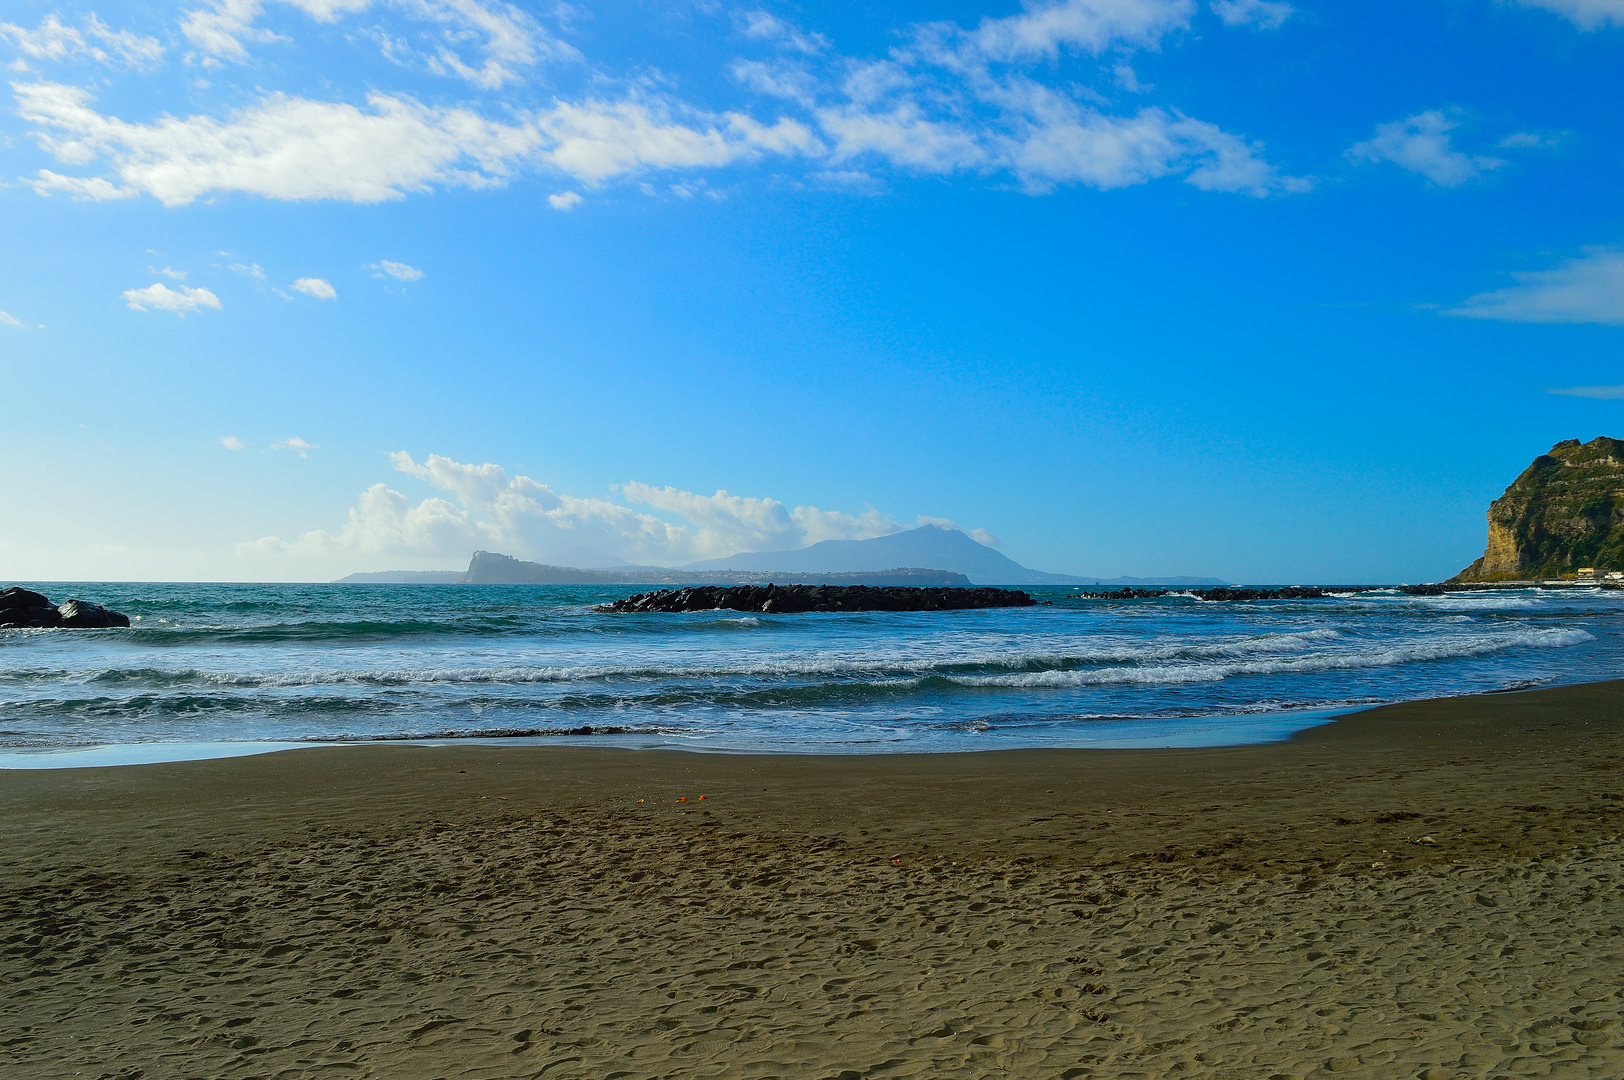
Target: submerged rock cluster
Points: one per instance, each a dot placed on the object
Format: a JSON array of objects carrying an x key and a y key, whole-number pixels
[
  {"x": 783, "y": 599},
  {"x": 23, "y": 609}
]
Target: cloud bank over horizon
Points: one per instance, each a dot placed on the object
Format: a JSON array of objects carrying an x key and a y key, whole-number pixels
[{"x": 484, "y": 507}]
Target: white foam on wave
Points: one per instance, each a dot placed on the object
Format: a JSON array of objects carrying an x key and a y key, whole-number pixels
[
  {"x": 1351, "y": 659},
  {"x": 948, "y": 661}
]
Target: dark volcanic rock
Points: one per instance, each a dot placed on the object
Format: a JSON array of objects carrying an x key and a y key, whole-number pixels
[
  {"x": 22, "y": 609},
  {"x": 784, "y": 599},
  {"x": 1291, "y": 593},
  {"x": 82, "y": 614}
]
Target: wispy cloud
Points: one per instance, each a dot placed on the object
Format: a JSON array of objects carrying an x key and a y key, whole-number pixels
[
  {"x": 53, "y": 40},
  {"x": 295, "y": 148},
  {"x": 1600, "y": 393},
  {"x": 231, "y": 442},
  {"x": 507, "y": 40},
  {"x": 1585, "y": 14},
  {"x": 293, "y": 442},
  {"x": 9, "y": 319},
  {"x": 564, "y": 200},
  {"x": 1588, "y": 289},
  {"x": 1263, "y": 14},
  {"x": 84, "y": 188},
  {"x": 320, "y": 288},
  {"x": 160, "y": 297},
  {"x": 398, "y": 270},
  {"x": 765, "y": 26},
  {"x": 1421, "y": 144}
]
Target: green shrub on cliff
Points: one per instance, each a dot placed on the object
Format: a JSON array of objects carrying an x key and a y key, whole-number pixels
[{"x": 1565, "y": 511}]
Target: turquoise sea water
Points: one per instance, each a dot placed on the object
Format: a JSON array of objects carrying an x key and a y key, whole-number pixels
[{"x": 235, "y": 664}]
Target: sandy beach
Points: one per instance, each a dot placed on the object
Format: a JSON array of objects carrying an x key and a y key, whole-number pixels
[{"x": 1428, "y": 890}]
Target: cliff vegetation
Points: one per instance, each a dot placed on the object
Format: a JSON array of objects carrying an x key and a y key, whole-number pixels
[{"x": 1564, "y": 512}]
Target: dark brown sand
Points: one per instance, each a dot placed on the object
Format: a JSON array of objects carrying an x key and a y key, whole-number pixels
[{"x": 1428, "y": 890}]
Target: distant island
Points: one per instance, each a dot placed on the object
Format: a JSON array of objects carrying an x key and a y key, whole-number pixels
[
  {"x": 1564, "y": 514},
  {"x": 928, "y": 556}
]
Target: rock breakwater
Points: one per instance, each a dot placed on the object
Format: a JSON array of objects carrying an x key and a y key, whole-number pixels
[{"x": 785, "y": 599}]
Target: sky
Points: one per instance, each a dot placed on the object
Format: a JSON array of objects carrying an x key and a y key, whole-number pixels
[{"x": 1274, "y": 292}]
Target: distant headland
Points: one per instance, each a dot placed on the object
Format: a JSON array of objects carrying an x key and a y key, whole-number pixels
[
  {"x": 1563, "y": 518},
  {"x": 926, "y": 557}
]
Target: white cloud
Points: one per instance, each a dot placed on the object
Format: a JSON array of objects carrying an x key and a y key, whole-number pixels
[
  {"x": 1044, "y": 30},
  {"x": 250, "y": 270},
  {"x": 1598, "y": 393},
  {"x": 564, "y": 200},
  {"x": 231, "y": 442},
  {"x": 382, "y": 522},
  {"x": 320, "y": 288},
  {"x": 513, "y": 39},
  {"x": 948, "y": 99},
  {"x": 1263, "y": 14},
  {"x": 787, "y": 81},
  {"x": 160, "y": 297},
  {"x": 597, "y": 140},
  {"x": 765, "y": 26},
  {"x": 9, "y": 319},
  {"x": 398, "y": 270},
  {"x": 1421, "y": 144},
  {"x": 294, "y": 148},
  {"x": 903, "y": 135},
  {"x": 83, "y": 188},
  {"x": 742, "y": 523},
  {"x": 293, "y": 442},
  {"x": 284, "y": 148},
  {"x": 169, "y": 272},
  {"x": 1585, "y": 14},
  {"x": 221, "y": 30},
  {"x": 486, "y": 507},
  {"x": 56, "y": 41},
  {"x": 980, "y": 536},
  {"x": 1589, "y": 289},
  {"x": 945, "y": 105},
  {"x": 1061, "y": 141},
  {"x": 508, "y": 38}
]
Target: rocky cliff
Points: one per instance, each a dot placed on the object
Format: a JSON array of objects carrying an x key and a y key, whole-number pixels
[{"x": 1565, "y": 511}]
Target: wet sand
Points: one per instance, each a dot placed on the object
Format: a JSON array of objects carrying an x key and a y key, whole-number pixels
[{"x": 1427, "y": 890}]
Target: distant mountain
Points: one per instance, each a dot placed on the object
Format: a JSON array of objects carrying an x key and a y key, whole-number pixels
[
  {"x": 489, "y": 568},
  {"x": 1565, "y": 511},
  {"x": 926, "y": 556},
  {"x": 928, "y": 545},
  {"x": 404, "y": 577}
]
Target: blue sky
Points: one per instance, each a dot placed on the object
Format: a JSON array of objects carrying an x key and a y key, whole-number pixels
[{"x": 1270, "y": 291}]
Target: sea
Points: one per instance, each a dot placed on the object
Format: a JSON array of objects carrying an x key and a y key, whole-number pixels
[{"x": 220, "y": 669}]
